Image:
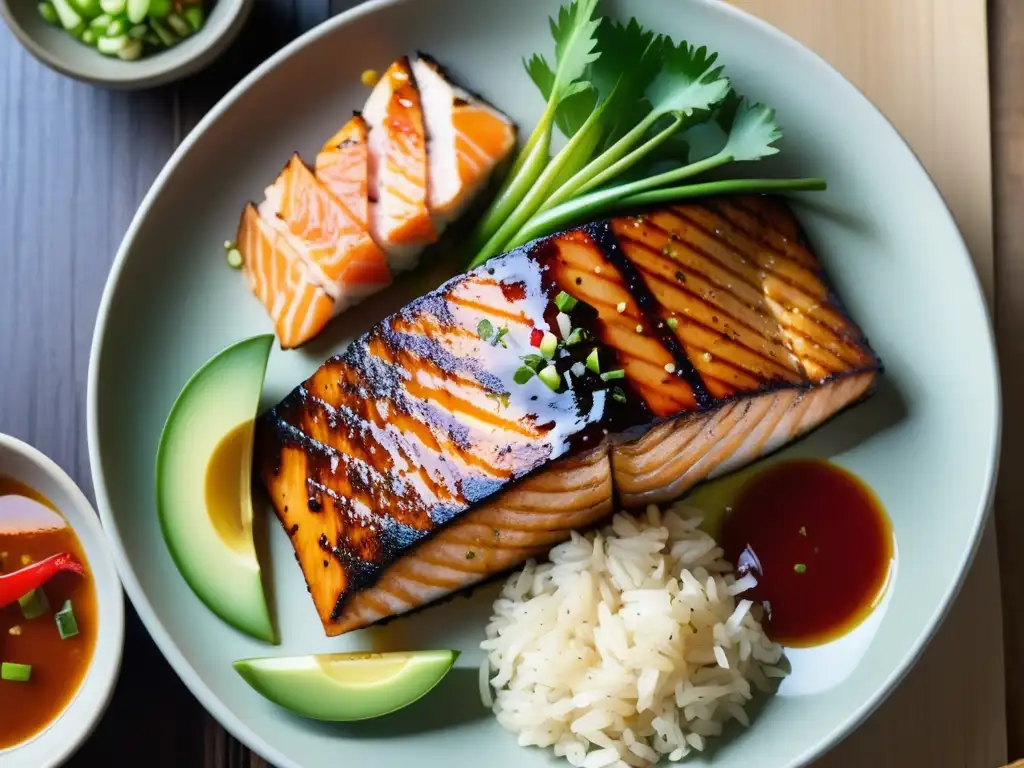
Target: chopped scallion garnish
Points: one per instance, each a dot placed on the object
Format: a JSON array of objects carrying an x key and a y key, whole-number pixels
[
  {"x": 618, "y": 395},
  {"x": 234, "y": 255},
  {"x": 672, "y": 323},
  {"x": 15, "y": 673},
  {"x": 800, "y": 568},
  {"x": 575, "y": 337},
  {"x": 618, "y": 373},
  {"x": 67, "y": 624},
  {"x": 34, "y": 604},
  {"x": 550, "y": 377},
  {"x": 548, "y": 345},
  {"x": 565, "y": 302}
]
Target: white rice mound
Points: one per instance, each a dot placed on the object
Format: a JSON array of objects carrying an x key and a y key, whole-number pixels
[{"x": 628, "y": 647}]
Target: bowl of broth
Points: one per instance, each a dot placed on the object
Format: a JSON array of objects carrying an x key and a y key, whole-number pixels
[{"x": 61, "y": 612}]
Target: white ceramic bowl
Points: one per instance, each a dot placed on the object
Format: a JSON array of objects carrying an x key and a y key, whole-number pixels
[
  {"x": 58, "y": 50},
  {"x": 66, "y": 733}
]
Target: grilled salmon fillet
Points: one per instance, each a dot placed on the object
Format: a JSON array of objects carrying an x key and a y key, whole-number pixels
[{"x": 430, "y": 455}]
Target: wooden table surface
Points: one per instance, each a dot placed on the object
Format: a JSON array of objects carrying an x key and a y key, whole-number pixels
[{"x": 75, "y": 161}]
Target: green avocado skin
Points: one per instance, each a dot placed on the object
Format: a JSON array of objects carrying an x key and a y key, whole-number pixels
[
  {"x": 220, "y": 396},
  {"x": 301, "y": 685}
]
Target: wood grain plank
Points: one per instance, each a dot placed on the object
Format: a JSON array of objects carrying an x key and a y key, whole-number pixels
[
  {"x": 1007, "y": 40},
  {"x": 74, "y": 163}
]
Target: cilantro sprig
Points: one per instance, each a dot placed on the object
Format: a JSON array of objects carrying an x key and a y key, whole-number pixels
[{"x": 626, "y": 99}]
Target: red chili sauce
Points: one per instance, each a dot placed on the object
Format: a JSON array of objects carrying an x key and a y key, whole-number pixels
[{"x": 819, "y": 544}]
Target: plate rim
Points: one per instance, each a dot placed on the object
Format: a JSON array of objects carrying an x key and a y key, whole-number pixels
[{"x": 224, "y": 714}]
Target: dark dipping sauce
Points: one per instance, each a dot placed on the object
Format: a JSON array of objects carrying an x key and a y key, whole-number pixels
[
  {"x": 819, "y": 544},
  {"x": 58, "y": 666}
]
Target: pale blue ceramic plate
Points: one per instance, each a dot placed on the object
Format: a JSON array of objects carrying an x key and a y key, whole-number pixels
[{"x": 927, "y": 442}]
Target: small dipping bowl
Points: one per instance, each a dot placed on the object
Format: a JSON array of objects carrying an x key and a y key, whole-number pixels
[
  {"x": 66, "y": 732},
  {"x": 57, "y": 49}
]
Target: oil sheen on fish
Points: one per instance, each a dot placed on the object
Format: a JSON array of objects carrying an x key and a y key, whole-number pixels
[{"x": 430, "y": 456}]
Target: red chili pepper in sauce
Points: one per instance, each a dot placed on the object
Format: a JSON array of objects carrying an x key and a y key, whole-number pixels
[
  {"x": 14, "y": 586},
  {"x": 536, "y": 337}
]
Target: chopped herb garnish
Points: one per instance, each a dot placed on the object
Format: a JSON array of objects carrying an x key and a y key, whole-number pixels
[
  {"x": 800, "y": 568},
  {"x": 550, "y": 377},
  {"x": 34, "y": 604},
  {"x": 485, "y": 329},
  {"x": 672, "y": 323},
  {"x": 67, "y": 625},
  {"x": 523, "y": 374},
  {"x": 593, "y": 363},
  {"x": 565, "y": 302},
  {"x": 535, "y": 361},
  {"x": 501, "y": 399},
  {"x": 577, "y": 335},
  {"x": 618, "y": 395},
  {"x": 15, "y": 673},
  {"x": 499, "y": 337},
  {"x": 234, "y": 257},
  {"x": 470, "y": 555},
  {"x": 548, "y": 345},
  {"x": 618, "y": 373}
]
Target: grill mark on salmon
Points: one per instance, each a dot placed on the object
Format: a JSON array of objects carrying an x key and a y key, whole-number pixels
[{"x": 417, "y": 463}]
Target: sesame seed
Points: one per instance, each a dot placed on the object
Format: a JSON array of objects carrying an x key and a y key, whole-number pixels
[
  {"x": 15, "y": 630},
  {"x": 621, "y": 306},
  {"x": 25, "y": 559},
  {"x": 707, "y": 357},
  {"x": 639, "y": 328},
  {"x": 670, "y": 368},
  {"x": 597, "y": 270}
]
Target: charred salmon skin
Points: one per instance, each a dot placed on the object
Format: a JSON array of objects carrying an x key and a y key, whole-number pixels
[{"x": 452, "y": 442}]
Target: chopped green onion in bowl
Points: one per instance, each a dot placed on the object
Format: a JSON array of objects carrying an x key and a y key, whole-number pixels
[
  {"x": 67, "y": 624},
  {"x": 15, "y": 673},
  {"x": 127, "y": 29}
]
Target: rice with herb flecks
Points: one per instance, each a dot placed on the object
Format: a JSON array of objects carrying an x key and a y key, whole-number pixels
[{"x": 628, "y": 647}]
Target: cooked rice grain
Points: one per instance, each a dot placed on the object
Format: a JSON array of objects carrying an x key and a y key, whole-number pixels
[{"x": 629, "y": 646}]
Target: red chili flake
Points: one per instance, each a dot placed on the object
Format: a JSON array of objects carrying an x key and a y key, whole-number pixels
[{"x": 536, "y": 336}]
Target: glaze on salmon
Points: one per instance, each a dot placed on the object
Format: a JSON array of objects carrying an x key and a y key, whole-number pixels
[{"x": 414, "y": 464}]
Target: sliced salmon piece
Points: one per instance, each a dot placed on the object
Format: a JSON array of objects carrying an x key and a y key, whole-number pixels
[
  {"x": 343, "y": 166},
  {"x": 328, "y": 237},
  {"x": 299, "y": 307},
  {"x": 400, "y": 220},
  {"x": 419, "y": 462},
  {"x": 466, "y": 140}
]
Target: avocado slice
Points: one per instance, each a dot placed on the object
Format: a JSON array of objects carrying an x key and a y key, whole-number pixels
[
  {"x": 203, "y": 485},
  {"x": 341, "y": 687}
]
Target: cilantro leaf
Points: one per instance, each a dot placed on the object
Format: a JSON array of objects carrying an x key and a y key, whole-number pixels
[{"x": 688, "y": 82}]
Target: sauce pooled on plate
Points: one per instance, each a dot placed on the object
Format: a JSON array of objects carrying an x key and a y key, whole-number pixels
[
  {"x": 33, "y": 648},
  {"x": 819, "y": 544}
]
